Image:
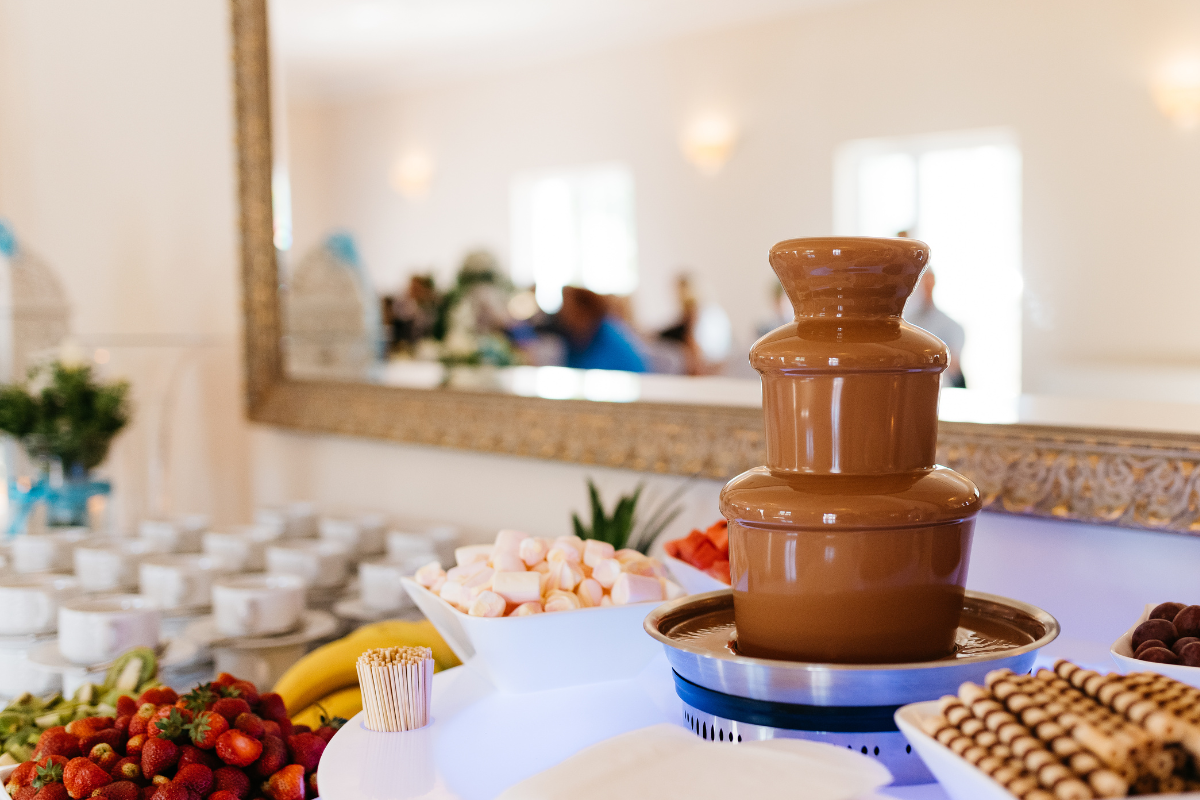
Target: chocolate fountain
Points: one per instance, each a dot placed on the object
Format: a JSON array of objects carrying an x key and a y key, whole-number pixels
[{"x": 849, "y": 549}]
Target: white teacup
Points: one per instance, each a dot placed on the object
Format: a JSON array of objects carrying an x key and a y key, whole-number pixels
[
  {"x": 172, "y": 535},
  {"x": 402, "y": 546},
  {"x": 241, "y": 548},
  {"x": 320, "y": 564},
  {"x": 111, "y": 565},
  {"x": 379, "y": 583},
  {"x": 258, "y": 604},
  {"x": 29, "y": 603},
  {"x": 298, "y": 520},
  {"x": 363, "y": 536},
  {"x": 98, "y": 629},
  {"x": 46, "y": 552},
  {"x": 178, "y": 581}
]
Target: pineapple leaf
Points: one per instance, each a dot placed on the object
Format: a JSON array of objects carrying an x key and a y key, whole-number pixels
[{"x": 580, "y": 531}]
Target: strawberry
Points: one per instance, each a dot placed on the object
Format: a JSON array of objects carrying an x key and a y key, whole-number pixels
[
  {"x": 172, "y": 791},
  {"x": 21, "y": 777},
  {"x": 190, "y": 754},
  {"x": 285, "y": 728},
  {"x": 245, "y": 690},
  {"x": 274, "y": 757},
  {"x": 329, "y": 725},
  {"x": 56, "y": 742},
  {"x": 301, "y": 729},
  {"x": 82, "y": 777},
  {"x": 120, "y": 790},
  {"x": 200, "y": 699},
  {"x": 87, "y": 726},
  {"x": 103, "y": 756},
  {"x": 196, "y": 777},
  {"x": 206, "y": 728},
  {"x": 270, "y": 727},
  {"x": 121, "y": 725},
  {"x": 250, "y": 724},
  {"x": 224, "y": 679},
  {"x": 25, "y": 793},
  {"x": 147, "y": 792},
  {"x": 134, "y": 746},
  {"x": 158, "y": 755},
  {"x": 170, "y": 722},
  {"x": 52, "y": 791},
  {"x": 287, "y": 784},
  {"x": 271, "y": 706},
  {"x": 230, "y": 707},
  {"x": 238, "y": 749},
  {"x": 223, "y": 795},
  {"x": 160, "y": 780},
  {"x": 128, "y": 768},
  {"x": 126, "y": 706},
  {"x": 108, "y": 736},
  {"x": 231, "y": 780},
  {"x": 141, "y": 720},
  {"x": 159, "y": 696},
  {"x": 47, "y": 770},
  {"x": 306, "y": 749}
]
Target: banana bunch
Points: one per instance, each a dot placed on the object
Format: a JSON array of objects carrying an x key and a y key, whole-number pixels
[{"x": 325, "y": 682}]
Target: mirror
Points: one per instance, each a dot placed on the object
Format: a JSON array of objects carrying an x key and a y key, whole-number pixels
[{"x": 573, "y": 203}]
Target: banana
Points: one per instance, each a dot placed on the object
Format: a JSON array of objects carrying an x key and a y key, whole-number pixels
[
  {"x": 344, "y": 703},
  {"x": 332, "y": 667}
]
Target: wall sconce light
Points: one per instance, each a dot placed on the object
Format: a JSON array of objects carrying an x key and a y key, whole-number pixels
[
  {"x": 412, "y": 173},
  {"x": 708, "y": 142},
  {"x": 1176, "y": 90}
]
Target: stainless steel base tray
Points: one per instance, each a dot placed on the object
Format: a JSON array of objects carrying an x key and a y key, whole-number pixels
[{"x": 722, "y": 670}]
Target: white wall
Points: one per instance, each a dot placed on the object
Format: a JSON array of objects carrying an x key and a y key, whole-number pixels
[
  {"x": 1108, "y": 182},
  {"x": 117, "y": 166}
]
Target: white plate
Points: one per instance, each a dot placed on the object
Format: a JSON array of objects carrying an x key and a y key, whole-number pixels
[
  {"x": 544, "y": 651},
  {"x": 314, "y": 624},
  {"x": 1122, "y": 655},
  {"x": 960, "y": 780},
  {"x": 47, "y": 656},
  {"x": 692, "y": 580}
]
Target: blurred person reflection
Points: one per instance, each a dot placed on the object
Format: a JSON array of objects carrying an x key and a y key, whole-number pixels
[
  {"x": 924, "y": 313},
  {"x": 703, "y": 333},
  {"x": 596, "y": 337}
]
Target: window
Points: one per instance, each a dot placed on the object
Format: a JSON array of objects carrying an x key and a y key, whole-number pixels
[
  {"x": 574, "y": 227},
  {"x": 960, "y": 193}
]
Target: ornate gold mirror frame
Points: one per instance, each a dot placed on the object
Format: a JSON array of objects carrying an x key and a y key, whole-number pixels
[{"x": 1115, "y": 477}]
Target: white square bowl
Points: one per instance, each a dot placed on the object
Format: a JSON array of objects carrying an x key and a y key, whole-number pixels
[
  {"x": 693, "y": 581},
  {"x": 958, "y": 777},
  {"x": 1122, "y": 654},
  {"x": 544, "y": 651}
]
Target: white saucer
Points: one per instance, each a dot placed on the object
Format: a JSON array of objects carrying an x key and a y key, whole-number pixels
[
  {"x": 25, "y": 640},
  {"x": 178, "y": 651},
  {"x": 315, "y": 625},
  {"x": 356, "y": 610}
]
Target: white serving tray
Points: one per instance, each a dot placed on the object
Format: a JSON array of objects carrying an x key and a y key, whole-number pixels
[
  {"x": 958, "y": 777},
  {"x": 544, "y": 651},
  {"x": 693, "y": 581}
]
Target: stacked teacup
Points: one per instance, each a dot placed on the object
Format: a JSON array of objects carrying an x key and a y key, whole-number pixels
[
  {"x": 380, "y": 593},
  {"x": 30, "y": 617}
]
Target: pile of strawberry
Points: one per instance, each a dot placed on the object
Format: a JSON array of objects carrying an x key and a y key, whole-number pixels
[{"x": 221, "y": 741}]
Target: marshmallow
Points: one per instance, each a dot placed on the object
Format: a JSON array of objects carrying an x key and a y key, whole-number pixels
[
  {"x": 595, "y": 550},
  {"x": 627, "y": 554},
  {"x": 671, "y": 589},
  {"x": 589, "y": 593},
  {"x": 454, "y": 593},
  {"x": 488, "y": 604},
  {"x": 631, "y": 588},
  {"x": 605, "y": 572},
  {"x": 437, "y": 585},
  {"x": 508, "y": 542},
  {"x": 471, "y": 553},
  {"x": 462, "y": 573},
  {"x": 518, "y": 587},
  {"x": 640, "y": 566},
  {"x": 564, "y": 575},
  {"x": 542, "y": 567},
  {"x": 563, "y": 552},
  {"x": 526, "y": 609},
  {"x": 507, "y": 562},
  {"x": 429, "y": 574},
  {"x": 561, "y": 601},
  {"x": 533, "y": 550},
  {"x": 481, "y": 578},
  {"x": 570, "y": 541},
  {"x": 605, "y": 601}
]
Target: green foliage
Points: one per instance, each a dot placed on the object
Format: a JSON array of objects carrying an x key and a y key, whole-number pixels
[
  {"x": 71, "y": 417},
  {"x": 621, "y": 529}
]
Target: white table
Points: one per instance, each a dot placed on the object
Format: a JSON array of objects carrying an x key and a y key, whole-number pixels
[{"x": 482, "y": 741}]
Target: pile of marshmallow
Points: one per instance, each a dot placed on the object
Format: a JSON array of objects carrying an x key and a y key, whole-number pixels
[{"x": 521, "y": 575}]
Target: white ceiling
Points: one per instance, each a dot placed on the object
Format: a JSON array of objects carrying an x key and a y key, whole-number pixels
[{"x": 355, "y": 45}]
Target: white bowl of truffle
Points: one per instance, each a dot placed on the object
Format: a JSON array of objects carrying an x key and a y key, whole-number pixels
[{"x": 1165, "y": 640}]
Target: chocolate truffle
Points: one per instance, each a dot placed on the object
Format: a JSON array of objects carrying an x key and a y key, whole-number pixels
[
  {"x": 1182, "y": 642},
  {"x": 1146, "y": 645},
  {"x": 1187, "y": 621},
  {"x": 1189, "y": 656},
  {"x": 1160, "y": 655},
  {"x": 1166, "y": 611},
  {"x": 1159, "y": 629}
]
